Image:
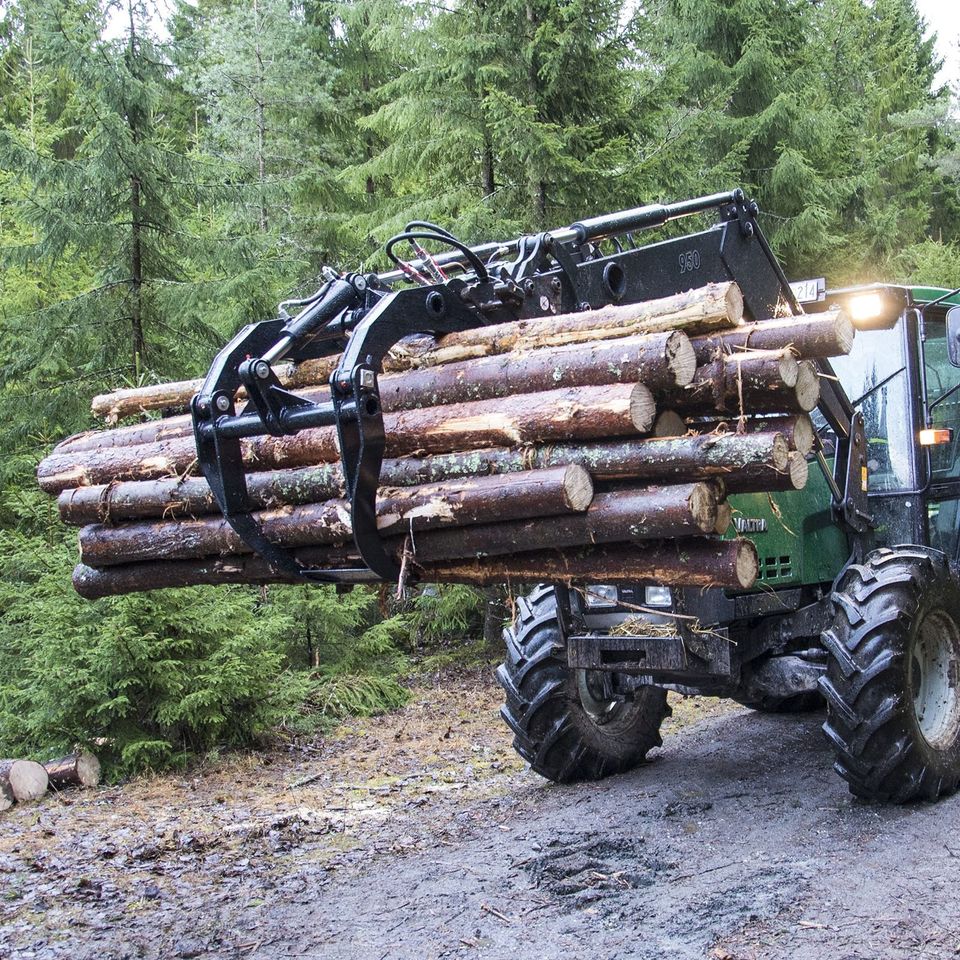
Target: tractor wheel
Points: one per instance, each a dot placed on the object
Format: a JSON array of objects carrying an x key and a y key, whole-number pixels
[
  {"x": 563, "y": 724},
  {"x": 893, "y": 704}
]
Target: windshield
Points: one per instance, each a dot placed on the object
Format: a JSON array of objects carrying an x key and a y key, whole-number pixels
[
  {"x": 943, "y": 399},
  {"x": 875, "y": 379}
]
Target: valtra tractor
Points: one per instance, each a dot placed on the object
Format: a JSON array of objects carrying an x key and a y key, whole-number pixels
[{"x": 853, "y": 598}]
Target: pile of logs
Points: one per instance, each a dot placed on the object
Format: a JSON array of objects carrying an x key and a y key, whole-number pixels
[
  {"x": 596, "y": 446},
  {"x": 24, "y": 780}
]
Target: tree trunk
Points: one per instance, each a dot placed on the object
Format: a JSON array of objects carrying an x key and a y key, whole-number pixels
[
  {"x": 810, "y": 337},
  {"x": 673, "y": 460},
  {"x": 716, "y": 305},
  {"x": 661, "y": 361},
  {"x": 455, "y": 503},
  {"x": 22, "y": 780},
  {"x": 687, "y": 510},
  {"x": 578, "y": 413},
  {"x": 689, "y": 562},
  {"x": 76, "y": 770},
  {"x": 761, "y": 479}
]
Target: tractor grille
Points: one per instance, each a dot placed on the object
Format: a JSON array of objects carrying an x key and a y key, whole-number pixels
[{"x": 776, "y": 568}]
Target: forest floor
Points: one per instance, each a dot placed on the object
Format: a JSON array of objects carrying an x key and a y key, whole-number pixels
[{"x": 421, "y": 835}]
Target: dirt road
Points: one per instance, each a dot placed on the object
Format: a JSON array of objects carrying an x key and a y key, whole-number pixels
[{"x": 420, "y": 836}]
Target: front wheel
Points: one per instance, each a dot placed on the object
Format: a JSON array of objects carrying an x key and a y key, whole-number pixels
[
  {"x": 566, "y": 724},
  {"x": 893, "y": 701}
]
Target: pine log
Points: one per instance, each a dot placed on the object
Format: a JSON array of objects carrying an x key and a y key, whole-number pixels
[
  {"x": 7, "y": 799},
  {"x": 761, "y": 479},
  {"x": 747, "y": 384},
  {"x": 679, "y": 459},
  {"x": 811, "y": 337},
  {"x": 716, "y": 306},
  {"x": 577, "y": 413},
  {"x": 724, "y": 518},
  {"x": 797, "y": 429},
  {"x": 661, "y": 361},
  {"x": 75, "y": 770},
  {"x": 23, "y": 779},
  {"x": 399, "y": 510},
  {"x": 684, "y": 510},
  {"x": 688, "y": 562},
  {"x": 669, "y": 423}
]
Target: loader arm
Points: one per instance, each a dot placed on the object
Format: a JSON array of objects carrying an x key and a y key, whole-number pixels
[{"x": 363, "y": 317}]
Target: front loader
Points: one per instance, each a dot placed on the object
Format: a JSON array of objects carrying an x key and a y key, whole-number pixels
[{"x": 848, "y": 590}]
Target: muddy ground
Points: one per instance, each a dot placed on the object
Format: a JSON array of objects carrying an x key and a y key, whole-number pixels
[{"x": 420, "y": 835}]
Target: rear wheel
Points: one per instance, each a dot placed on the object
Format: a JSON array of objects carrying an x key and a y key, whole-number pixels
[
  {"x": 566, "y": 723},
  {"x": 893, "y": 702}
]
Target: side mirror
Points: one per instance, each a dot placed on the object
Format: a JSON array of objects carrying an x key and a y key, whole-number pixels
[{"x": 953, "y": 336}]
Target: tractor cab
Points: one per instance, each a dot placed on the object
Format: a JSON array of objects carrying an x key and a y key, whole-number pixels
[{"x": 903, "y": 376}]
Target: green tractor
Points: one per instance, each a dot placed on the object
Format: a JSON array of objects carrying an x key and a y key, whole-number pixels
[{"x": 858, "y": 602}]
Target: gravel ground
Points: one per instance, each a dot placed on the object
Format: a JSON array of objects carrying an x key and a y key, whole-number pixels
[{"x": 420, "y": 835}]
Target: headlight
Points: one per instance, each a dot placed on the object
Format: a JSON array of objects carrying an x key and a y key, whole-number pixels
[
  {"x": 601, "y": 595},
  {"x": 658, "y": 597}
]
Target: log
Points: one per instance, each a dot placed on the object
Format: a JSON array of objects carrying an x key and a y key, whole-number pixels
[
  {"x": 811, "y": 337},
  {"x": 762, "y": 479},
  {"x": 577, "y": 413},
  {"x": 797, "y": 429},
  {"x": 689, "y": 562},
  {"x": 669, "y": 423},
  {"x": 75, "y": 770},
  {"x": 654, "y": 513},
  {"x": 711, "y": 307},
  {"x": 746, "y": 384},
  {"x": 684, "y": 458},
  {"x": 23, "y": 779},
  {"x": 660, "y": 361},
  {"x": 716, "y": 306},
  {"x": 7, "y": 799},
  {"x": 724, "y": 518},
  {"x": 399, "y": 510}
]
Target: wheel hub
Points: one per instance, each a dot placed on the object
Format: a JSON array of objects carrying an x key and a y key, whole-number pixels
[
  {"x": 935, "y": 663},
  {"x": 598, "y": 702}
]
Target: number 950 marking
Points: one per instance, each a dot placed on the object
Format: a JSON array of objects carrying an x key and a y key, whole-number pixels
[{"x": 689, "y": 261}]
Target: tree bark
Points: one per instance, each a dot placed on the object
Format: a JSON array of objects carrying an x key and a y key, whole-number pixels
[
  {"x": 810, "y": 337},
  {"x": 686, "y": 510},
  {"x": 399, "y": 510},
  {"x": 75, "y": 770},
  {"x": 711, "y": 307},
  {"x": 747, "y": 384},
  {"x": 660, "y": 361},
  {"x": 689, "y": 562},
  {"x": 673, "y": 460},
  {"x": 578, "y": 413},
  {"x": 22, "y": 779},
  {"x": 761, "y": 479}
]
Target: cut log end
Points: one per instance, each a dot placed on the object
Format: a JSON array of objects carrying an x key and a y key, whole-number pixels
[
  {"x": 669, "y": 423},
  {"x": 724, "y": 518},
  {"x": 807, "y": 386},
  {"x": 24, "y": 779},
  {"x": 803, "y": 436},
  {"x": 799, "y": 470},
  {"x": 643, "y": 409},
  {"x": 681, "y": 358},
  {"x": 845, "y": 331},
  {"x": 703, "y": 506},
  {"x": 577, "y": 487},
  {"x": 747, "y": 563},
  {"x": 734, "y": 304},
  {"x": 780, "y": 452}
]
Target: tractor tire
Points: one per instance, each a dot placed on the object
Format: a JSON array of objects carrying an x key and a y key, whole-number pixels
[
  {"x": 893, "y": 702},
  {"x": 559, "y": 727}
]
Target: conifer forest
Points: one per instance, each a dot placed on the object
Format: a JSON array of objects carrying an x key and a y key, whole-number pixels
[{"x": 171, "y": 172}]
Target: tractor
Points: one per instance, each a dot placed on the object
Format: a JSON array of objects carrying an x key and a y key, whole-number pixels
[{"x": 857, "y": 605}]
